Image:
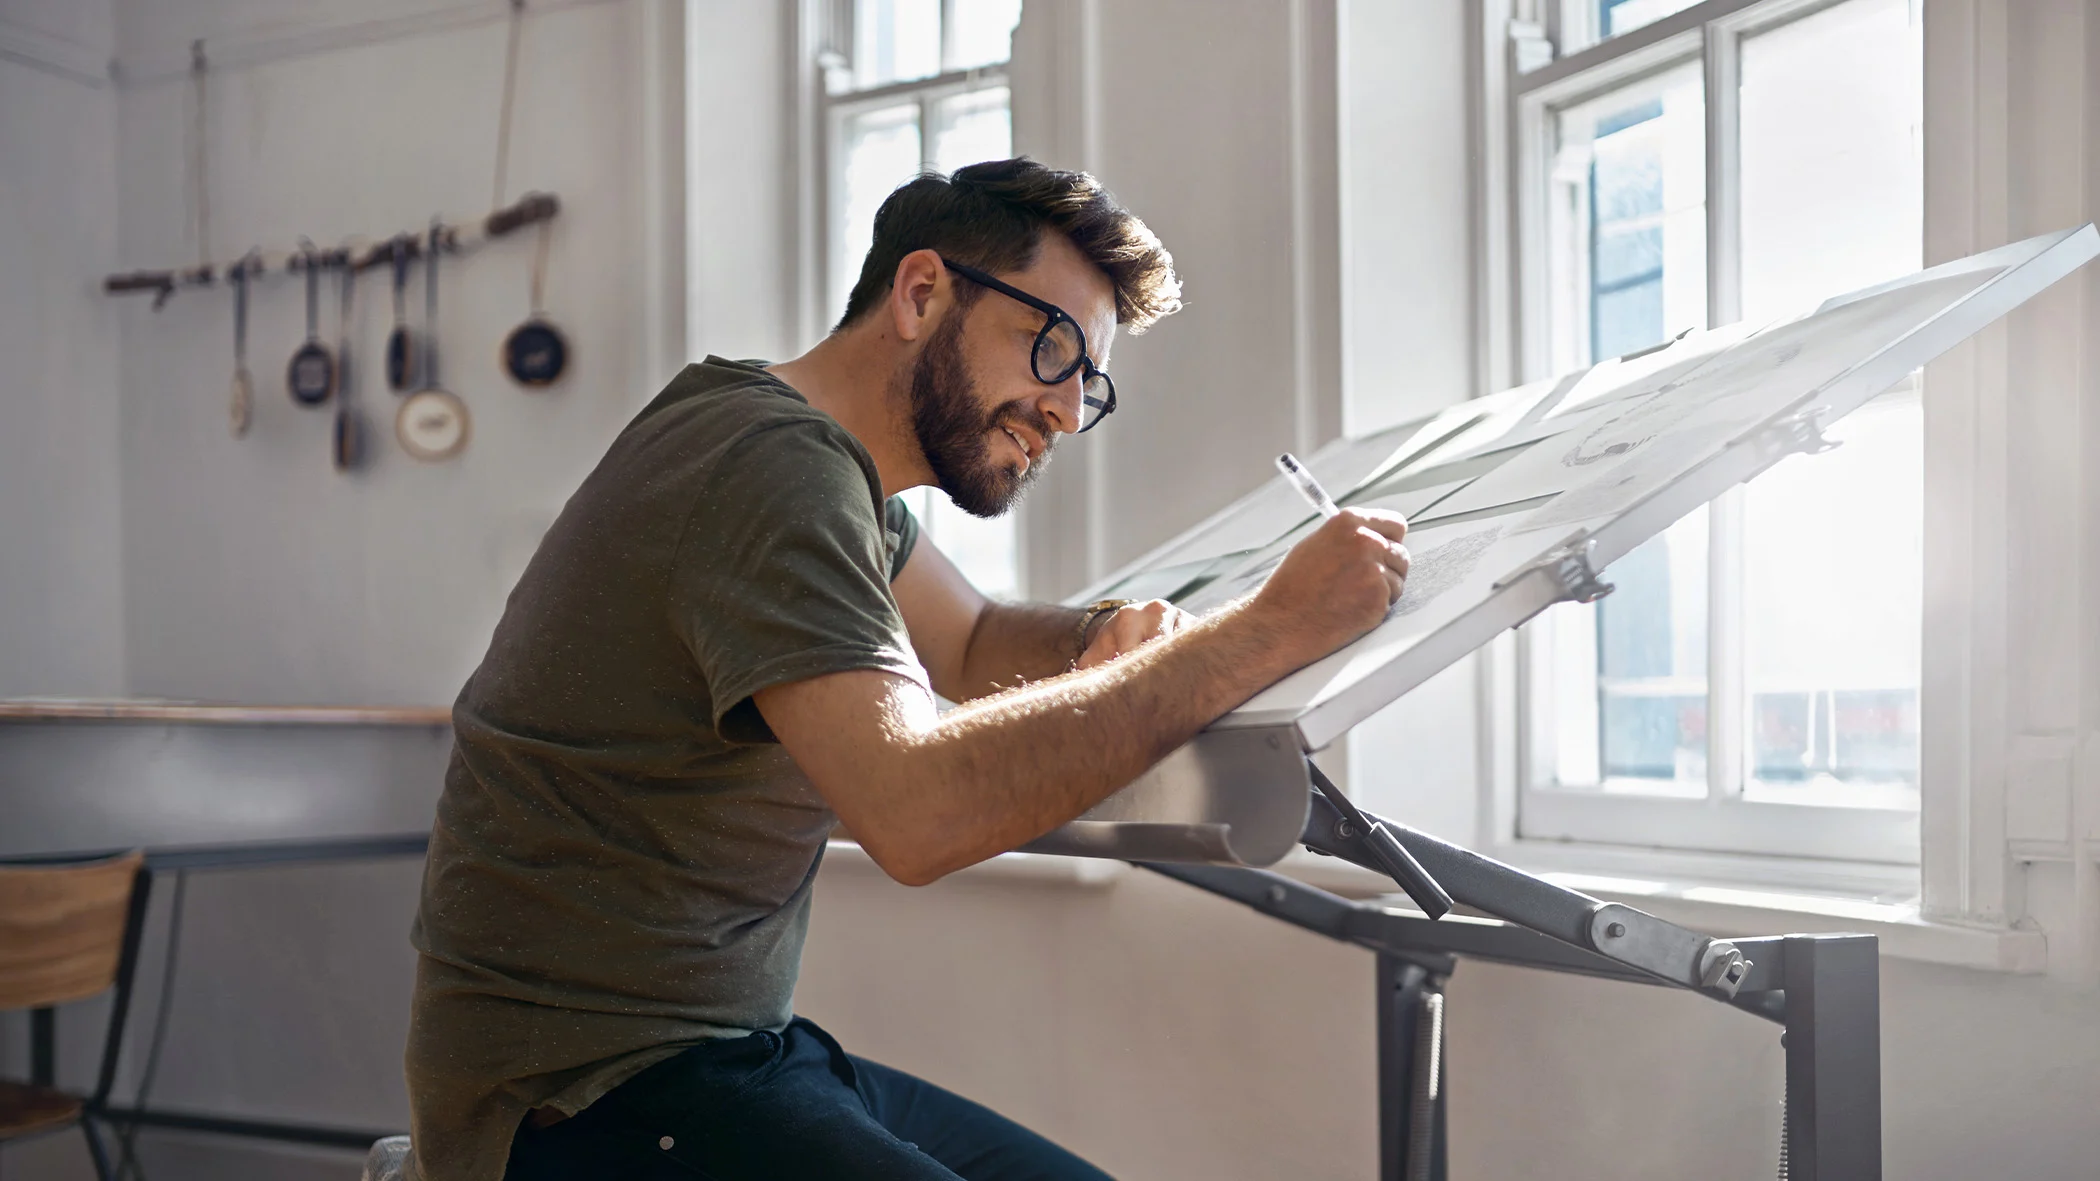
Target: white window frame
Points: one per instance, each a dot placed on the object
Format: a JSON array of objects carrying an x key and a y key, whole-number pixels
[
  {"x": 839, "y": 101},
  {"x": 1723, "y": 820}
]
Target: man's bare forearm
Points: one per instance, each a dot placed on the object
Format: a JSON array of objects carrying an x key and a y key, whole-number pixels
[
  {"x": 1000, "y": 771},
  {"x": 1015, "y": 643}
]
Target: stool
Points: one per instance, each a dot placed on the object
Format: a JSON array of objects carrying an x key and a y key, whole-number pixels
[
  {"x": 388, "y": 1160},
  {"x": 67, "y": 932}
]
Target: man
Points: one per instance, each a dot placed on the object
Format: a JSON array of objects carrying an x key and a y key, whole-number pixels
[{"x": 730, "y": 641}]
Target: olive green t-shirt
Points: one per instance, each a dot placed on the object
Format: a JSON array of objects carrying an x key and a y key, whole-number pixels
[{"x": 622, "y": 859}]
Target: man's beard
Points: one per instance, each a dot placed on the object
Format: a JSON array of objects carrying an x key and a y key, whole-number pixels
[{"x": 956, "y": 434}]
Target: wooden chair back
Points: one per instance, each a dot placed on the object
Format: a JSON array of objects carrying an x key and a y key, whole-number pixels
[{"x": 62, "y": 929}]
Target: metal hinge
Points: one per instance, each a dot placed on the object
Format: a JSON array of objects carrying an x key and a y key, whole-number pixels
[
  {"x": 1570, "y": 566},
  {"x": 1796, "y": 434}
]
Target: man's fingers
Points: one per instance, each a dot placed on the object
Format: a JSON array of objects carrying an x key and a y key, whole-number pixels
[
  {"x": 1394, "y": 586},
  {"x": 1391, "y": 526}
]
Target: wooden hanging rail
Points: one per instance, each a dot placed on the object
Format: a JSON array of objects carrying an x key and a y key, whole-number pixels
[{"x": 530, "y": 209}]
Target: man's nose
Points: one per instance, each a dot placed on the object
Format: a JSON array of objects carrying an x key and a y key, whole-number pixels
[{"x": 1062, "y": 404}]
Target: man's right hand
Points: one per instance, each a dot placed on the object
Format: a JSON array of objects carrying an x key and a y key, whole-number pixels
[{"x": 1335, "y": 584}]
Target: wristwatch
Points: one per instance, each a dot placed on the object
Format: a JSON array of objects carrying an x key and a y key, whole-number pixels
[{"x": 1094, "y": 613}]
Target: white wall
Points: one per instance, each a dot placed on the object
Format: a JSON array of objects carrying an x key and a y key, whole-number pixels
[
  {"x": 62, "y": 631},
  {"x": 254, "y": 570}
]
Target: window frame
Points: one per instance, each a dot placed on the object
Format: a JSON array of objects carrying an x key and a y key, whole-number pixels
[{"x": 1725, "y": 819}]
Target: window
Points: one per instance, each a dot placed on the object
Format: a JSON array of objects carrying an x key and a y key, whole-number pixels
[
  {"x": 1752, "y": 685},
  {"x": 923, "y": 89}
]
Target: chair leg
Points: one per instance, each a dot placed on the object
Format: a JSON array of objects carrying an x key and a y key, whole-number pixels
[{"x": 95, "y": 1149}]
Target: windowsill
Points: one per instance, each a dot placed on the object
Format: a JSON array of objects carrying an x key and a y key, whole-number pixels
[
  {"x": 1039, "y": 868},
  {"x": 1721, "y": 908}
]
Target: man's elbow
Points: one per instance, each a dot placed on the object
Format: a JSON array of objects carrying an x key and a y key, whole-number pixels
[{"x": 905, "y": 864}]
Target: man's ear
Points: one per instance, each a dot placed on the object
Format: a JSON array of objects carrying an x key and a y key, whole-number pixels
[{"x": 919, "y": 293}]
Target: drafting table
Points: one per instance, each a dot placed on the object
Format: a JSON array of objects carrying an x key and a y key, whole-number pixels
[{"x": 1516, "y": 502}]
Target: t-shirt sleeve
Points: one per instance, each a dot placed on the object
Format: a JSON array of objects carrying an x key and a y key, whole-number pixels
[
  {"x": 782, "y": 573},
  {"x": 898, "y": 521}
]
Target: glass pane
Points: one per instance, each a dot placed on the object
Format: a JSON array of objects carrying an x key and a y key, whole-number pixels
[
  {"x": 881, "y": 151},
  {"x": 1833, "y": 201},
  {"x": 895, "y": 41},
  {"x": 1833, "y": 575},
  {"x": 972, "y": 127},
  {"x": 1832, "y": 156},
  {"x": 1627, "y": 216},
  {"x": 1583, "y": 23},
  {"x": 982, "y": 33},
  {"x": 1623, "y": 16},
  {"x": 1651, "y": 660},
  {"x": 1629, "y": 271}
]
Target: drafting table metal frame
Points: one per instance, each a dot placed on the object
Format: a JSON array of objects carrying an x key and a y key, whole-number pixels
[{"x": 1823, "y": 990}]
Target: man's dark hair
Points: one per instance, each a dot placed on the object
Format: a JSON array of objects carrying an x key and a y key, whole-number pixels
[{"x": 992, "y": 216}]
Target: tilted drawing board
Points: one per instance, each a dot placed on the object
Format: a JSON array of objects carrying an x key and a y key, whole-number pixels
[{"x": 1515, "y": 502}]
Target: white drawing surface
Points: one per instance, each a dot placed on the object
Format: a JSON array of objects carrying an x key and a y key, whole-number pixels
[
  {"x": 1637, "y": 445},
  {"x": 1490, "y": 485}
]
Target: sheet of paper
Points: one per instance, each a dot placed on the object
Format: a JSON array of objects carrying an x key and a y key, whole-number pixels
[
  {"x": 1454, "y": 568},
  {"x": 1254, "y": 567},
  {"x": 1270, "y": 511}
]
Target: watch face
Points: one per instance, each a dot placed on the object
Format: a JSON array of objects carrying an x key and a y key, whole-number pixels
[{"x": 432, "y": 425}]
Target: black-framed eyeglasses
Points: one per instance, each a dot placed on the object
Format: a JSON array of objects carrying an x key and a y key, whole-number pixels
[{"x": 1060, "y": 349}]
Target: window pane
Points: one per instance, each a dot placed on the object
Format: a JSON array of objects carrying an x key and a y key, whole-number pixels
[
  {"x": 1628, "y": 219},
  {"x": 1623, "y": 16},
  {"x": 881, "y": 151},
  {"x": 1583, "y": 23},
  {"x": 1629, "y": 271},
  {"x": 982, "y": 33},
  {"x": 1833, "y": 201},
  {"x": 1651, "y": 659},
  {"x": 972, "y": 127},
  {"x": 895, "y": 41},
  {"x": 1833, "y": 576},
  {"x": 1832, "y": 160}
]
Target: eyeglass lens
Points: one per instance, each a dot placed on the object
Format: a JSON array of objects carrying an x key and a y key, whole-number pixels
[{"x": 1059, "y": 352}]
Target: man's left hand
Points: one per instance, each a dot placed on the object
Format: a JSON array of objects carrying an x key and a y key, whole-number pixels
[{"x": 1127, "y": 627}]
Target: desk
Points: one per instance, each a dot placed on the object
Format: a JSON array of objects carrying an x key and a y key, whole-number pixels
[{"x": 212, "y": 787}]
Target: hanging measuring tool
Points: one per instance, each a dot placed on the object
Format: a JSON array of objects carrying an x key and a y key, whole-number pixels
[
  {"x": 349, "y": 435},
  {"x": 401, "y": 351},
  {"x": 311, "y": 374},
  {"x": 535, "y": 354},
  {"x": 240, "y": 407},
  {"x": 432, "y": 424}
]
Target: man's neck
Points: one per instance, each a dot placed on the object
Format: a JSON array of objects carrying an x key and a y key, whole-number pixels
[{"x": 848, "y": 376}]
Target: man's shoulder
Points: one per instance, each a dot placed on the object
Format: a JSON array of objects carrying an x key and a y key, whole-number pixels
[
  {"x": 716, "y": 407},
  {"x": 730, "y": 396}
]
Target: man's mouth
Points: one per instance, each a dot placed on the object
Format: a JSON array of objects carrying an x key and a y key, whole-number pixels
[{"x": 1027, "y": 452}]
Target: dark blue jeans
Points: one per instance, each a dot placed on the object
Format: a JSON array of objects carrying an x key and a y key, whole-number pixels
[{"x": 786, "y": 1105}]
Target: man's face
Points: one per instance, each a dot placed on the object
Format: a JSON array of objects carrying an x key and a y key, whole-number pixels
[{"x": 983, "y": 420}]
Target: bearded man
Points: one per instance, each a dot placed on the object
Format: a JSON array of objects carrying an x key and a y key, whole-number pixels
[{"x": 730, "y": 642}]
